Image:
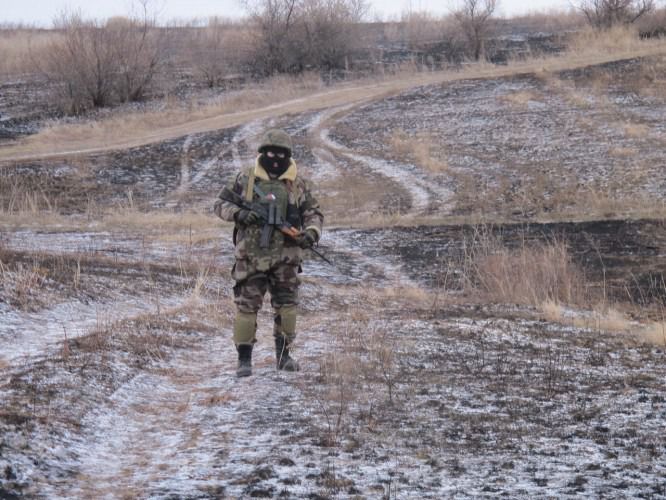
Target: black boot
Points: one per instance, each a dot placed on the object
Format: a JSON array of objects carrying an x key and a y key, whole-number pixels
[
  {"x": 284, "y": 361},
  {"x": 244, "y": 360}
]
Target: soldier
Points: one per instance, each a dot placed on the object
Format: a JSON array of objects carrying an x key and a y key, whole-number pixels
[{"x": 266, "y": 259}]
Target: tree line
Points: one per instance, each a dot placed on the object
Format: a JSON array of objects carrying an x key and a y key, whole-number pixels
[{"x": 94, "y": 63}]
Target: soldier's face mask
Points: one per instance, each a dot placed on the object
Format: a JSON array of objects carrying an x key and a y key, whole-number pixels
[{"x": 275, "y": 160}]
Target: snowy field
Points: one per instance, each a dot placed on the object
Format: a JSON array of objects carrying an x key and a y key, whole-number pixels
[{"x": 117, "y": 371}]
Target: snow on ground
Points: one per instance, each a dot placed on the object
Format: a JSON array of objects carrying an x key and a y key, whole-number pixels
[
  {"x": 118, "y": 245},
  {"x": 28, "y": 334},
  {"x": 406, "y": 391}
]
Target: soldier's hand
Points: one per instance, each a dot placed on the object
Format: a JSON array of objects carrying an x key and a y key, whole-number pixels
[
  {"x": 247, "y": 217},
  {"x": 307, "y": 238}
]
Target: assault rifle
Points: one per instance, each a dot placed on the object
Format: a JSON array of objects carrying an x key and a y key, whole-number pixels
[{"x": 270, "y": 217}]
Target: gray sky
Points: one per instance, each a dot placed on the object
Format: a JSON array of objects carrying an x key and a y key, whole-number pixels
[{"x": 43, "y": 11}]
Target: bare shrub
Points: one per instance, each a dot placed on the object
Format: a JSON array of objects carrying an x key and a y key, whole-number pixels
[
  {"x": 653, "y": 25},
  {"x": 420, "y": 28},
  {"x": 551, "y": 20},
  {"x": 96, "y": 65},
  {"x": 474, "y": 18},
  {"x": 606, "y": 14},
  {"x": 530, "y": 274}
]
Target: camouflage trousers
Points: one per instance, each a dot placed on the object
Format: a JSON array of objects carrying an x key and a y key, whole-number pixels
[{"x": 282, "y": 282}]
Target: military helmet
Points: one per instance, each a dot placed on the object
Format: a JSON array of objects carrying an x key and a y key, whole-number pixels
[{"x": 275, "y": 137}]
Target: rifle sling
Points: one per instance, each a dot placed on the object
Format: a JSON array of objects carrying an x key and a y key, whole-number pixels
[{"x": 249, "y": 192}]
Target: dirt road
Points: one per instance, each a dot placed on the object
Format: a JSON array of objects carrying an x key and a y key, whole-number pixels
[{"x": 60, "y": 145}]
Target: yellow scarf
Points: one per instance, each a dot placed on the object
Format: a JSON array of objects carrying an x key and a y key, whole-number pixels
[{"x": 289, "y": 175}]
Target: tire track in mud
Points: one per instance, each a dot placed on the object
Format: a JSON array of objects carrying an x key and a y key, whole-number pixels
[
  {"x": 239, "y": 154},
  {"x": 240, "y": 151},
  {"x": 424, "y": 192},
  {"x": 185, "y": 165}
]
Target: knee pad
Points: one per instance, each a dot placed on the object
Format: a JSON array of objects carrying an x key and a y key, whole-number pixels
[
  {"x": 245, "y": 328},
  {"x": 285, "y": 322}
]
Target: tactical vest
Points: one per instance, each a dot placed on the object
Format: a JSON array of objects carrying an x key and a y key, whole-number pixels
[{"x": 263, "y": 244}]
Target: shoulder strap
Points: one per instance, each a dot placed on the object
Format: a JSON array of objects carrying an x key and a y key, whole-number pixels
[{"x": 249, "y": 192}]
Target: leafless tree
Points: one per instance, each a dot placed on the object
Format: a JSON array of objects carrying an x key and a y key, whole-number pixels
[
  {"x": 137, "y": 45},
  {"x": 274, "y": 20},
  {"x": 605, "y": 14},
  {"x": 474, "y": 18},
  {"x": 293, "y": 35}
]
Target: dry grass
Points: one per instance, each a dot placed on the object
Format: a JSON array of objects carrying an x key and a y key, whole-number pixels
[
  {"x": 651, "y": 82},
  {"x": 636, "y": 130},
  {"x": 190, "y": 227},
  {"x": 606, "y": 318},
  {"x": 622, "y": 152},
  {"x": 653, "y": 333},
  {"x": 530, "y": 274},
  {"x": 617, "y": 39},
  {"x": 420, "y": 149},
  {"x": 19, "y": 48},
  {"x": 30, "y": 210},
  {"x": 292, "y": 96},
  {"x": 359, "y": 375},
  {"x": 520, "y": 99},
  {"x": 21, "y": 285},
  {"x": 275, "y": 90}
]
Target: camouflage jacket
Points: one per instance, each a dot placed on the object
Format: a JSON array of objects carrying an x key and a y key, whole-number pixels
[{"x": 296, "y": 191}]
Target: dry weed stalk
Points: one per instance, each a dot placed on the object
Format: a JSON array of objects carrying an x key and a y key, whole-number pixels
[
  {"x": 363, "y": 360},
  {"x": 617, "y": 39},
  {"x": 19, "y": 47},
  {"x": 529, "y": 274}
]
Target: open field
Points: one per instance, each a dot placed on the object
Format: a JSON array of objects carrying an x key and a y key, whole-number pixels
[{"x": 427, "y": 372}]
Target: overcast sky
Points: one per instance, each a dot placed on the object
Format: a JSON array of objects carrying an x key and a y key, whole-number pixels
[{"x": 42, "y": 12}]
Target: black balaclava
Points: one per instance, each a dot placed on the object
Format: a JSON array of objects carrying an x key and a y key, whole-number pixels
[{"x": 275, "y": 166}]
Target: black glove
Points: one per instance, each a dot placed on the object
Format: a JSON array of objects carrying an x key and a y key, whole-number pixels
[
  {"x": 247, "y": 217},
  {"x": 307, "y": 238}
]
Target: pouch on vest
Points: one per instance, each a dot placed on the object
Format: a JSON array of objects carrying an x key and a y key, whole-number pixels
[{"x": 264, "y": 243}]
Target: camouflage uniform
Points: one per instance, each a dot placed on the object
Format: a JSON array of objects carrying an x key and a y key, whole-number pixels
[{"x": 274, "y": 268}]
